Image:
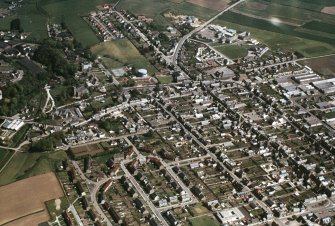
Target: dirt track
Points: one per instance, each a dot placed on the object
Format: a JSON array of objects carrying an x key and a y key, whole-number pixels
[{"x": 27, "y": 197}]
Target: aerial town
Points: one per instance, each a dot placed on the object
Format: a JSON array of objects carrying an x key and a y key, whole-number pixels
[{"x": 176, "y": 133}]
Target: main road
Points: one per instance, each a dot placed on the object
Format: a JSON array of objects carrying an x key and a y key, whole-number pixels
[{"x": 187, "y": 36}]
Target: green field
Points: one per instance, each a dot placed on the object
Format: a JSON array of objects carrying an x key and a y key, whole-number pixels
[
  {"x": 288, "y": 11},
  {"x": 34, "y": 15},
  {"x": 156, "y": 8},
  {"x": 32, "y": 20},
  {"x": 279, "y": 40},
  {"x": 296, "y": 25},
  {"x": 165, "y": 79},
  {"x": 233, "y": 51},
  {"x": 204, "y": 221},
  {"x": 24, "y": 165},
  {"x": 72, "y": 11},
  {"x": 124, "y": 52}
]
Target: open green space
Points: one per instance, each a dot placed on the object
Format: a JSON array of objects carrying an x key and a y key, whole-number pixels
[
  {"x": 269, "y": 26},
  {"x": 293, "y": 12},
  {"x": 279, "y": 40},
  {"x": 156, "y": 8},
  {"x": 204, "y": 221},
  {"x": 165, "y": 79},
  {"x": 125, "y": 53},
  {"x": 52, "y": 207},
  {"x": 24, "y": 165},
  {"x": 233, "y": 51},
  {"x": 32, "y": 20},
  {"x": 34, "y": 15},
  {"x": 71, "y": 12}
]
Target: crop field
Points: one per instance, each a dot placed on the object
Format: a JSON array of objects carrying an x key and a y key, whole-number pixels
[
  {"x": 211, "y": 4},
  {"x": 90, "y": 149},
  {"x": 322, "y": 65},
  {"x": 25, "y": 165},
  {"x": 291, "y": 21},
  {"x": 23, "y": 201},
  {"x": 156, "y": 8},
  {"x": 124, "y": 52}
]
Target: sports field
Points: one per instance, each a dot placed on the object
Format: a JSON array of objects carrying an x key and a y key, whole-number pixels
[
  {"x": 123, "y": 52},
  {"x": 23, "y": 201}
]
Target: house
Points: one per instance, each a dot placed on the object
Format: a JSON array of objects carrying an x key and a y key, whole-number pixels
[{"x": 80, "y": 92}]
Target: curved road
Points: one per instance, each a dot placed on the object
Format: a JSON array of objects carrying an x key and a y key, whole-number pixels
[{"x": 187, "y": 36}]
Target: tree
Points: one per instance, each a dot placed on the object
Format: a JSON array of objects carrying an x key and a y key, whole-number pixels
[{"x": 15, "y": 25}]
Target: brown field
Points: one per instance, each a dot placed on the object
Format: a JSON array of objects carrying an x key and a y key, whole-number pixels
[
  {"x": 23, "y": 201},
  {"x": 90, "y": 149},
  {"x": 217, "y": 5},
  {"x": 322, "y": 65},
  {"x": 329, "y": 10},
  {"x": 33, "y": 219}
]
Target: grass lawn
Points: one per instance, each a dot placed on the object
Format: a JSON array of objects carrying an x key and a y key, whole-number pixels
[
  {"x": 204, "y": 221},
  {"x": 123, "y": 51},
  {"x": 165, "y": 79},
  {"x": 233, "y": 51},
  {"x": 283, "y": 41},
  {"x": 34, "y": 15},
  {"x": 24, "y": 165}
]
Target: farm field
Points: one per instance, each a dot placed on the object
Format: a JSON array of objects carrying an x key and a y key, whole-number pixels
[
  {"x": 34, "y": 16},
  {"x": 233, "y": 51},
  {"x": 211, "y": 4},
  {"x": 156, "y": 8},
  {"x": 322, "y": 65},
  {"x": 283, "y": 41},
  {"x": 72, "y": 14},
  {"x": 32, "y": 20},
  {"x": 204, "y": 221},
  {"x": 5, "y": 156},
  {"x": 20, "y": 200},
  {"x": 123, "y": 52},
  {"x": 25, "y": 165}
]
